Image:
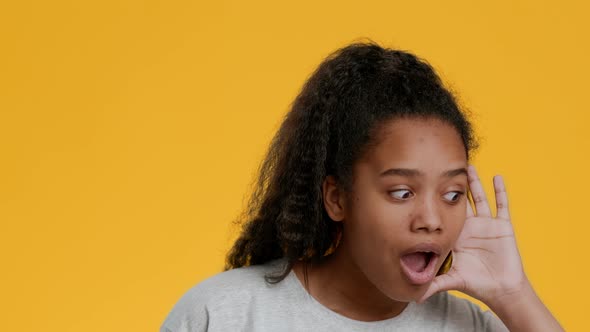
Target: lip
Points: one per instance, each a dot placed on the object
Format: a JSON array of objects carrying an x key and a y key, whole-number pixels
[
  {"x": 429, "y": 273},
  {"x": 423, "y": 247}
]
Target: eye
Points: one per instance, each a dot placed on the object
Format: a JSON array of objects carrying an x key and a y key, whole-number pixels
[
  {"x": 453, "y": 196},
  {"x": 401, "y": 194}
]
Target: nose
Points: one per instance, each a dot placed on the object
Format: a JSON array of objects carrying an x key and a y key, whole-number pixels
[{"x": 426, "y": 217}]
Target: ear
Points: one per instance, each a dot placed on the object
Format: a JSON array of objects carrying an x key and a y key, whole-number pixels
[{"x": 333, "y": 198}]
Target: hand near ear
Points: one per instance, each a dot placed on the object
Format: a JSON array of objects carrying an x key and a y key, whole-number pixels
[
  {"x": 488, "y": 267},
  {"x": 486, "y": 262}
]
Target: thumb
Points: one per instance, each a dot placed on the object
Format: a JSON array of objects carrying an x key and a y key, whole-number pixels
[{"x": 442, "y": 283}]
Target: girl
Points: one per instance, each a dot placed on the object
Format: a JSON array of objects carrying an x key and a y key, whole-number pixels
[{"x": 361, "y": 218}]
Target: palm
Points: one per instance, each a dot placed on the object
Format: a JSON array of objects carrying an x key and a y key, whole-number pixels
[
  {"x": 486, "y": 262},
  {"x": 486, "y": 257}
]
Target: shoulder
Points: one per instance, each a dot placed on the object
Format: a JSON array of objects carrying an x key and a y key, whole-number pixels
[
  {"x": 240, "y": 280},
  {"x": 227, "y": 291},
  {"x": 459, "y": 314}
]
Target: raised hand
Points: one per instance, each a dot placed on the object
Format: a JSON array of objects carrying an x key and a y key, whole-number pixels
[{"x": 486, "y": 262}]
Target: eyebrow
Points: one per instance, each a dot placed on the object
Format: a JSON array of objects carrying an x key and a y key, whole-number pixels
[{"x": 408, "y": 172}]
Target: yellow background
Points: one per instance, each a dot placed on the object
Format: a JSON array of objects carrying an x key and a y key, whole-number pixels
[{"x": 131, "y": 130}]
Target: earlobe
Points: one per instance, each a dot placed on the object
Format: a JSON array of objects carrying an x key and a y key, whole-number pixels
[{"x": 333, "y": 198}]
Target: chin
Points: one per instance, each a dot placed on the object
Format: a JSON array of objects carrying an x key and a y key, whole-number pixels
[{"x": 409, "y": 293}]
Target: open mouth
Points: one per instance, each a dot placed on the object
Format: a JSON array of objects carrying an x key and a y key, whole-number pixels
[
  {"x": 418, "y": 261},
  {"x": 419, "y": 266}
]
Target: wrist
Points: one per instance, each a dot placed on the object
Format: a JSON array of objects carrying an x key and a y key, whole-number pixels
[
  {"x": 523, "y": 310},
  {"x": 521, "y": 292}
]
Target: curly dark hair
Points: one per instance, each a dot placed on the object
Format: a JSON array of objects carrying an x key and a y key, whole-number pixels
[{"x": 332, "y": 123}]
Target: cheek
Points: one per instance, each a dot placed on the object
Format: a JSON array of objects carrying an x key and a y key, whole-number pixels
[
  {"x": 373, "y": 216},
  {"x": 456, "y": 219},
  {"x": 374, "y": 232}
]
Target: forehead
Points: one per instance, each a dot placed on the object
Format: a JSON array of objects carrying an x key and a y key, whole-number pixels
[{"x": 416, "y": 143}]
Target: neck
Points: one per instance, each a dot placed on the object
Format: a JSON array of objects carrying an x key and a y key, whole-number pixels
[{"x": 338, "y": 284}]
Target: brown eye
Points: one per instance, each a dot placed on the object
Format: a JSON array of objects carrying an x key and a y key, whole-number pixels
[
  {"x": 453, "y": 196},
  {"x": 401, "y": 194}
]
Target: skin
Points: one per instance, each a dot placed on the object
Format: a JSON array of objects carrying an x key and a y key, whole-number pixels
[{"x": 383, "y": 215}]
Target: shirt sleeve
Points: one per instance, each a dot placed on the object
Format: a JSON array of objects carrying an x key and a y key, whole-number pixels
[
  {"x": 189, "y": 314},
  {"x": 464, "y": 315},
  {"x": 493, "y": 323}
]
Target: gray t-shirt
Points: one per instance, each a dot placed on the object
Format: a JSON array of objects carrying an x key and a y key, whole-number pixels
[{"x": 241, "y": 300}]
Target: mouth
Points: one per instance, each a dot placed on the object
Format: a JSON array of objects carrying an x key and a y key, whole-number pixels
[{"x": 419, "y": 263}]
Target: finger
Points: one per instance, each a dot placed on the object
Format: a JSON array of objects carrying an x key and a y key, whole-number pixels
[
  {"x": 479, "y": 196},
  {"x": 441, "y": 283},
  {"x": 501, "y": 198}
]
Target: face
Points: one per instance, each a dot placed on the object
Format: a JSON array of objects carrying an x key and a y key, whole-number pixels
[{"x": 407, "y": 206}]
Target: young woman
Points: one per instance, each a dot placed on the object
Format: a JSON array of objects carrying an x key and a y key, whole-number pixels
[{"x": 361, "y": 219}]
